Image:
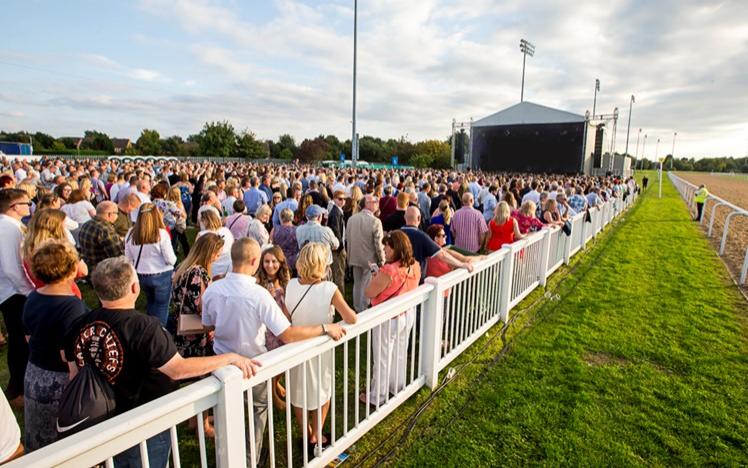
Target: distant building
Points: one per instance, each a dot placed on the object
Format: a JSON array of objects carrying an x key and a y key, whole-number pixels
[{"x": 121, "y": 145}]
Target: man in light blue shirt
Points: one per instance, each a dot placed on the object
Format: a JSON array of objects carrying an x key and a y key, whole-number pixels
[
  {"x": 290, "y": 203},
  {"x": 254, "y": 197},
  {"x": 313, "y": 231},
  {"x": 490, "y": 202}
]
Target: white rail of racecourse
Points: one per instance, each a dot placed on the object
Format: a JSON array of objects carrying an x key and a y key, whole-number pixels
[
  {"x": 687, "y": 190},
  {"x": 441, "y": 319}
]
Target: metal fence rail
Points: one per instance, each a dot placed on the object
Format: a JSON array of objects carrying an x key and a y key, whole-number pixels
[
  {"x": 393, "y": 350},
  {"x": 687, "y": 191}
]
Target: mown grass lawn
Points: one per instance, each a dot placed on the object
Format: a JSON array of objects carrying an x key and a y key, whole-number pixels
[{"x": 642, "y": 361}]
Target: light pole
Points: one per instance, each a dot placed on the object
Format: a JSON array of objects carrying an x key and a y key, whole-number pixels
[
  {"x": 672, "y": 153},
  {"x": 644, "y": 145},
  {"x": 527, "y": 49},
  {"x": 613, "y": 139},
  {"x": 354, "y": 145},
  {"x": 657, "y": 149},
  {"x": 631, "y": 106},
  {"x": 636, "y": 156},
  {"x": 594, "y": 101}
]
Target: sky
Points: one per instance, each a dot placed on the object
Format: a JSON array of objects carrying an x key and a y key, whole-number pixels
[{"x": 285, "y": 66}]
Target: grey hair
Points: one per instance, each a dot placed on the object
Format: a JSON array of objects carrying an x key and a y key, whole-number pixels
[
  {"x": 286, "y": 215},
  {"x": 112, "y": 277}
]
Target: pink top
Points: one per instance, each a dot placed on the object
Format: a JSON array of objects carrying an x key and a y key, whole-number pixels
[{"x": 402, "y": 281}]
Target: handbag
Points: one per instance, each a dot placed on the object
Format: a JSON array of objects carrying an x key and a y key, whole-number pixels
[
  {"x": 587, "y": 216},
  {"x": 567, "y": 227},
  {"x": 188, "y": 324}
]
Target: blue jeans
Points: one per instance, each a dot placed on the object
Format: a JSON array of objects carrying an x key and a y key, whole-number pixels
[
  {"x": 157, "y": 289},
  {"x": 159, "y": 447}
]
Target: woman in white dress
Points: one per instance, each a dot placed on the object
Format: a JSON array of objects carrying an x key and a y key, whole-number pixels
[
  {"x": 210, "y": 222},
  {"x": 312, "y": 301}
]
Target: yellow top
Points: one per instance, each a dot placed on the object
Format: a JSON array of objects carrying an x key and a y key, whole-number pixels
[{"x": 701, "y": 195}]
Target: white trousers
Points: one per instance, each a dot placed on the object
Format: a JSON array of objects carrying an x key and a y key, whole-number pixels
[{"x": 389, "y": 350}]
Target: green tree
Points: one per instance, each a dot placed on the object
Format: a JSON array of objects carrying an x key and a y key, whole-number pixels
[
  {"x": 149, "y": 142},
  {"x": 248, "y": 146},
  {"x": 217, "y": 139},
  {"x": 313, "y": 150},
  {"x": 170, "y": 146},
  {"x": 99, "y": 141},
  {"x": 42, "y": 140}
]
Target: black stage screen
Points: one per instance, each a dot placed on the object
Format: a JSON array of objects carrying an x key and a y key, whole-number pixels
[{"x": 550, "y": 148}]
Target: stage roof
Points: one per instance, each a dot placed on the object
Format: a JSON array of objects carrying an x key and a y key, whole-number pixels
[{"x": 528, "y": 113}]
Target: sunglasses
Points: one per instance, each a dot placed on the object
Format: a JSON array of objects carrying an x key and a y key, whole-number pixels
[{"x": 28, "y": 203}]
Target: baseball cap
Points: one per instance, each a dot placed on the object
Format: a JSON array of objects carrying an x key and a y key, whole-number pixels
[{"x": 313, "y": 211}]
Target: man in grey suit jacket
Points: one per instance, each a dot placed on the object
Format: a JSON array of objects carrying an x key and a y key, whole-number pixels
[{"x": 363, "y": 236}]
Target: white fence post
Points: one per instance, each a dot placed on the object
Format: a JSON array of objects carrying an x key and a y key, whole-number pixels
[
  {"x": 544, "y": 256},
  {"x": 431, "y": 315},
  {"x": 229, "y": 419},
  {"x": 507, "y": 271},
  {"x": 583, "y": 237}
]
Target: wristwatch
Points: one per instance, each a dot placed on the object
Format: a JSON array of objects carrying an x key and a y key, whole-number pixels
[{"x": 324, "y": 330}]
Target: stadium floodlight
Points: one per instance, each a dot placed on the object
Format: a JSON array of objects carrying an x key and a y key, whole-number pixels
[
  {"x": 527, "y": 49},
  {"x": 631, "y": 105},
  {"x": 636, "y": 155},
  {"x": 672, "y": 153},
  {"x": 354, "y": 141},
  {"x": 594, "y": 101}
]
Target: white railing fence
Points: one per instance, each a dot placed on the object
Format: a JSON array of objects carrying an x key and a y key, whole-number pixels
[
  {"x": 393, "y": 350},
  {"x": 687, "y": 191}
]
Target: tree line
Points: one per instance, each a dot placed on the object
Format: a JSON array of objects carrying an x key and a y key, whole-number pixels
[
  {"x": 722, "y": 164},
  {"x": 221, "y": 139}
]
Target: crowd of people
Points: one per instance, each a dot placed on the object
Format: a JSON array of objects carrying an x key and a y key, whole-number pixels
[{"x": 275, "y": 248}]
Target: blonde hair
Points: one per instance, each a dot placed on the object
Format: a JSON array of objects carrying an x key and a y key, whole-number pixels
[
  {"x": 311, "y": 262},
  {"x": 528, "y": 208},
  {"x": 201, "y": 253},
  {"x": 356, "y": 196},
  {"x": 286, "y": 215},
  {"x": 147, "y": 228},
  {"x": 264, "y": 209},
  {"x": 46, "y": 224},
  {"x": 446, "y": 211},
  {"x": 210, "y": 221},
  {"x": 175, "y": 195},
  {"x": 501, "y": 213},
  {"x": 30, "y": 189}
]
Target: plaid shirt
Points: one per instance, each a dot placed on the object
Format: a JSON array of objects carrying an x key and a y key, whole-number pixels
[{"x": 98, "y": 241}]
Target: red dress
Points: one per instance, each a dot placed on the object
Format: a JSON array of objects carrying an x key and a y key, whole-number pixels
[{"x": 500, "y": 235}]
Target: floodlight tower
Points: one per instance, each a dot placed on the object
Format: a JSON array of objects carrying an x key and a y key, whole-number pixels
[
  {"x": 672, "y": 153},
  {"x": 594, "y": 101},
  {"x": 527, "y": 49},
  {"x": 354, "y": 140},
  {"x": 631, "y": 105}
]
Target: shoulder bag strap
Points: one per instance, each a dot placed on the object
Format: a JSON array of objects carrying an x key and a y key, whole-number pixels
[
  {"x": 302, "y": 298},
  {"x": 137, "y": 262},
  {"x": 401, "y": 286},
  {"x": 234, "y": 221}
]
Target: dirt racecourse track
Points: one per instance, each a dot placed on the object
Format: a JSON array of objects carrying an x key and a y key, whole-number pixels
[{"x": 733, "y": 188}]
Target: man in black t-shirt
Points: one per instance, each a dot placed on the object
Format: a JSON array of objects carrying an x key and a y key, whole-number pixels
[{"x": 134, "y": 353}]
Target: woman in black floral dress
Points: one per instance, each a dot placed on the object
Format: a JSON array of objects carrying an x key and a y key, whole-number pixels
[{"x": 190, "y": 281}]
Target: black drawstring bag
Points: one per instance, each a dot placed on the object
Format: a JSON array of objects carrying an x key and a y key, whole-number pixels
[
  {"x": 566, "y": 227},
  {"x": 87, "y": 400}
]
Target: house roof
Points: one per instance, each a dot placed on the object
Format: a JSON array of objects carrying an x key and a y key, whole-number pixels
[
  {"x": 120, "y": 142},
  {"x": 528, "y": 113}
]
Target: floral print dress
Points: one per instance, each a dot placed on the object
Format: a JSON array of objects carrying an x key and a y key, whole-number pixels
[{"x": 187, "y": 292}]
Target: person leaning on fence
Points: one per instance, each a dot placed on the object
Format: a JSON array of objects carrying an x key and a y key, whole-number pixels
[
  {"x": 239, "y": 311},
  {"x": 312, "y": 301},
  {"x": 400, "y": 274},
  {"x": 700, "y": 197},
  {"x": 502, "y": 229},
  {"x": 363, "y": 241},
  {"x": 142, "y": 361}
]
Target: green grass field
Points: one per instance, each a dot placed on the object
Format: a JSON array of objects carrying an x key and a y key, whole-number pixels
[
  {"x": 635, "y": 354},
  {"x": 642, "y": 361}
]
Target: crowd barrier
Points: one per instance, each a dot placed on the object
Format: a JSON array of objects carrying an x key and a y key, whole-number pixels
[
  {"x": 687, "y": 191},
  {"x": 419, "y": 333}
]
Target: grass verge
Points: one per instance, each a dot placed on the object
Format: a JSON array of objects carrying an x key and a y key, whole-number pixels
[{"x": 642, "y": 360}]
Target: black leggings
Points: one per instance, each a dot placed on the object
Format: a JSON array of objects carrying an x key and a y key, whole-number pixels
[
  {"x": 18, "y": 349},
  {"x": 181, "y": 238}
]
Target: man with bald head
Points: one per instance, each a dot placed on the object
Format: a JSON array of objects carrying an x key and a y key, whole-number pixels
[
  {"x": 98, "y": 239},
  {"x": 423, "y": 246},
  {"x": 239, "y": 311},
  {"x": 363, "y": 235}
]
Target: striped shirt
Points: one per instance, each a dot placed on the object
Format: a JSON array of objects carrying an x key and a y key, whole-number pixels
[{"x": 468, "y": 226}]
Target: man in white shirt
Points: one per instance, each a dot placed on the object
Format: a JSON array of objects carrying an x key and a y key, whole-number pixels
[
  {"x": 143, "y": 189},
  {"x": 239, "y": 310},
  {"x": 533, "y": 194},
  {"x": 14, "y": 286}
]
